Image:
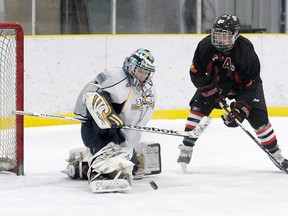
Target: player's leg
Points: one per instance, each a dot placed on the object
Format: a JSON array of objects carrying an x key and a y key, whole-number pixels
[
  {"x": 146, "y": 158},
  {"x": 94, "y": 139},
  {"x": 259, "y": 120},
  {"x": 199, "y": 109}
]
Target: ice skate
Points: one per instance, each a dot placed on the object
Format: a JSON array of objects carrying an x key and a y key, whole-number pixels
[
  {"x": 283, "y": 161},
  {"x": 185, "y": 156}
]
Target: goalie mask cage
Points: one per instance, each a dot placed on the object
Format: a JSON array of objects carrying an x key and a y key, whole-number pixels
[{"x": 11, "y": 97}]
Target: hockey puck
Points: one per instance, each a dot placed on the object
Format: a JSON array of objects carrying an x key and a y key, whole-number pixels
[{"x": 153, "y": 185}]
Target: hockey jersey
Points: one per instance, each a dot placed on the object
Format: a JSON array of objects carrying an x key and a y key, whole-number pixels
[
  {"x": 236, "y": 72},
  {"x": 133, "y": 107}
]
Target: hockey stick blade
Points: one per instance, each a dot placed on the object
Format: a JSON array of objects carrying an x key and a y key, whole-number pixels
[
  {"x": 195, "y": 133},
  {"x": 272, "y": 158}
]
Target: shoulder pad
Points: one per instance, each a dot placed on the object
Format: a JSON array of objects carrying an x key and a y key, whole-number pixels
[{"x": 110, "y": 77}]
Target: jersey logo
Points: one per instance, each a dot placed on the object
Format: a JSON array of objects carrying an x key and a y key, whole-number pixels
[
  {"x": 193, "y": 69},
  {"x": 146, "y": 100},
  {"x": 230, "y": 68},
  {"x": 228, "y": 64}
]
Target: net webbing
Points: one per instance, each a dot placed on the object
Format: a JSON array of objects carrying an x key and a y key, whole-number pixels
[{"x": 8, "y": 99}]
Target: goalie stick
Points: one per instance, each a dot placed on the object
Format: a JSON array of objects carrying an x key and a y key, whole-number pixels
[
  {"x": 43, "y": 115},
  {"x": 195, "y": 133},
  {"x": 272, "y": 158}
]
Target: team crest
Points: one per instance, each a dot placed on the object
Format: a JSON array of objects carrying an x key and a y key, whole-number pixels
[{"x": 147, "y": 100}]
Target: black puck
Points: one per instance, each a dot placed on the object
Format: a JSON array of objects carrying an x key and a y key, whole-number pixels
[{"x": 153, "y": 185}]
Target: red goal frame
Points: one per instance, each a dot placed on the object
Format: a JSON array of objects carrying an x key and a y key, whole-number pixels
[{"x": 19, "y": 168}]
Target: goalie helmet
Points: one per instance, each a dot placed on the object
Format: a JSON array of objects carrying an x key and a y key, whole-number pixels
[
  {"x": 225, "y": 32},
  {"x": 139, "y": 67}
]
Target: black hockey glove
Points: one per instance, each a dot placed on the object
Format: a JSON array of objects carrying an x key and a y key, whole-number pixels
[
  {"x": 239, "y": 110},
  {"x": 212, "y": 93}
]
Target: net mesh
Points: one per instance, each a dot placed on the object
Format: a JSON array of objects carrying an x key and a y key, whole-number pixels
[{"x": 8, "y": 98}]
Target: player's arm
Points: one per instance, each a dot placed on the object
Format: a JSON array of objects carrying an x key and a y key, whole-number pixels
[
  {"x": 250, "y": 79},
  {"x": 201, "y": 68},
  {"x": 204, "y": 75}
]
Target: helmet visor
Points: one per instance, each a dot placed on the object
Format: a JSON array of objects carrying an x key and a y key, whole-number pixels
[
  {"x": 141, "y": 74},
  {"x": 223, "y": 40}
]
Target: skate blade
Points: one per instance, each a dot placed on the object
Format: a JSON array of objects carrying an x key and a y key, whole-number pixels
[{"x": 183, "y": 167}]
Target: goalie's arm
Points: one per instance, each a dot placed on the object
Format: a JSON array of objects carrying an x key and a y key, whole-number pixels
[{"x": 101, "y": 110}]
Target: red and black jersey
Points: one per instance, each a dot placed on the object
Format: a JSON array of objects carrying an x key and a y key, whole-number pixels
[{"x": 236, "y": 72}]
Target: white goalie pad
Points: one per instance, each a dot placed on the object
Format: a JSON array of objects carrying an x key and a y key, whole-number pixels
[
  {"x": 104, "y": 186},
  {"x": 78, "y": 163},
  {"x": 6, "y": 164},
  {"x": 77, "y": 154},
  {"x": 110, "y": 169},
  {"x": 101, "y": 111},
  {"x": 149, "y": 155}
]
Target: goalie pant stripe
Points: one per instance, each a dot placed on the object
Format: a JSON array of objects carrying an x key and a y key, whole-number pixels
[{"x": 164, "y": 131}]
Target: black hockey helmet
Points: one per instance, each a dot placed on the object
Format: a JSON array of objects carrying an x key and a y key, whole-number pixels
[{"x": 225, "y": 32}]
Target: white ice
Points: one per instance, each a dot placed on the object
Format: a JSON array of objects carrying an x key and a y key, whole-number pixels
[{"x": 229, "y": 175}]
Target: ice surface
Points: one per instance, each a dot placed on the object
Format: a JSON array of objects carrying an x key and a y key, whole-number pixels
[{"x": 229, "y": 175}]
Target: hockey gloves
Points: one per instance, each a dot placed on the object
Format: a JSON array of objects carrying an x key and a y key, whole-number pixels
[
  {"x": 212, "y": 93},
  {"x": 239, "y": 110}
]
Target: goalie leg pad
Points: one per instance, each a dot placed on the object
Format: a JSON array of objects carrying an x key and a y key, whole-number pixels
[
  {"x": 78, "y": 163},
  {"x": 149, "y": 156},
  {"x": 110, "y": 169}
]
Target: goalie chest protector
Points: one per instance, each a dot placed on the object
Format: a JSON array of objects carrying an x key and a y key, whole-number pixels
[{"x": 137, "y": 106}]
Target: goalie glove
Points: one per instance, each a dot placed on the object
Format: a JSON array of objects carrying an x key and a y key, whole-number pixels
[{"x": 102, "y": 112}]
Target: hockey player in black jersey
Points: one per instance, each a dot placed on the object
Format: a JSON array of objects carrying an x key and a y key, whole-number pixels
[{"x": 226, "y": 66}]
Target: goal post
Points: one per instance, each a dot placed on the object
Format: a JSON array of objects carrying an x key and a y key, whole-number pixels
[{"x": 11, "y": 97}]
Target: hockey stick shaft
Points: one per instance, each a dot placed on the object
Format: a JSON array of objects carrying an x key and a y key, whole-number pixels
[
  {"x": 156, "y": 130},
  {"x": 225, "y": 108},
  {"x": 42, "y": 115},
  {"x": 195, "y": 133},
  {"x": 205, "y": 122}
]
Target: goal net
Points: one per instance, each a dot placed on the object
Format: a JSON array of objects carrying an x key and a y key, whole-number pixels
[{"x": 11, "y": 97}]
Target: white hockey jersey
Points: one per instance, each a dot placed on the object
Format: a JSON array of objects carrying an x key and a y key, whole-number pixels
[{"x": 137, "y": 109}]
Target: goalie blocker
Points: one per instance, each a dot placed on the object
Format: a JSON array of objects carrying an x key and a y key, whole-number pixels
[{"x": 148, "y": 154}]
